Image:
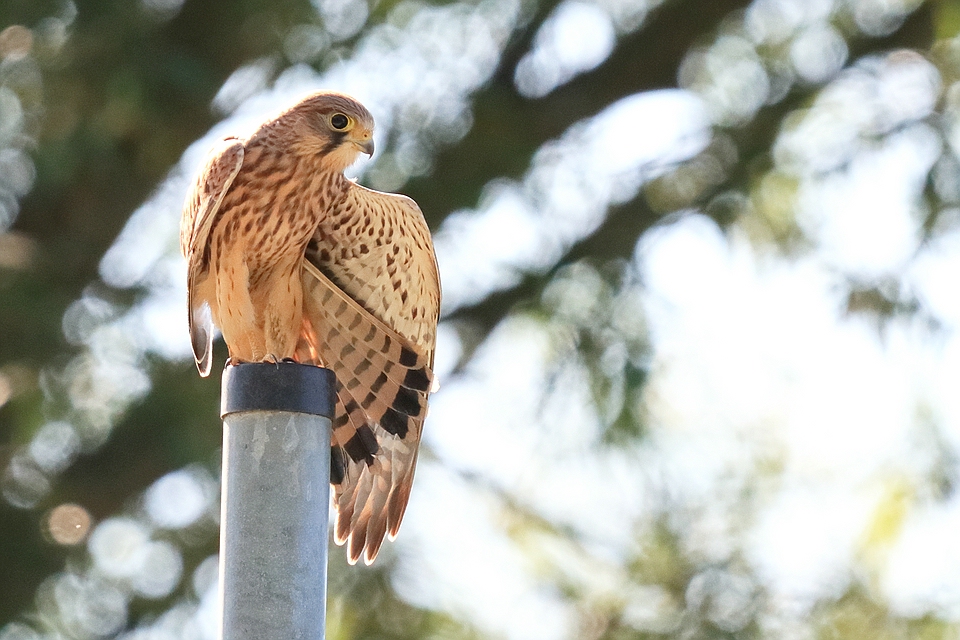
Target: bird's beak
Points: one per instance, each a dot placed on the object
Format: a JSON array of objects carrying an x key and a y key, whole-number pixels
[{"x": 367, "y": 147}]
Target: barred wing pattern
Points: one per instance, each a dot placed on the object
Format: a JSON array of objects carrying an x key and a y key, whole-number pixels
[{"x": 371, "y": 304}]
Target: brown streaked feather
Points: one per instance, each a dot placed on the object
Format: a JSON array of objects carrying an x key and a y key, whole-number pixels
[
  {"x": 290, "y": 259},
  {"x": 245, "y": 229},
  {"x": 376, "y": 247},
  {"x": 379, "y": 465},
  {"x": 371, "y": 304},
  {"x": 399, "y": 499},
  {"x": 370, "y": 381},
  {"x": 203, "y": 202}
]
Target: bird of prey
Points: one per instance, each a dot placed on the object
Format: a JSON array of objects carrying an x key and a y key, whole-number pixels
[{"x": 290, "y": 259}]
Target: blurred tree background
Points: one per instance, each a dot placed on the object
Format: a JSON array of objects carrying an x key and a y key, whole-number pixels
[{"x": 698, "y": 353}]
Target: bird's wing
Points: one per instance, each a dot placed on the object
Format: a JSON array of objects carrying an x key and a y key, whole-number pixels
[
  {"x": 199, "y": 211},
  {"x": 373, "y": 320}
]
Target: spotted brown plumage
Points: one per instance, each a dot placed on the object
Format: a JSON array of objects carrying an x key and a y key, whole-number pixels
[{"x": 290, "y": 259}]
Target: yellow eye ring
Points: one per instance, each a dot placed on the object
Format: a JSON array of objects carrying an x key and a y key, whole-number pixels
[{"x": 339, "y": 121}]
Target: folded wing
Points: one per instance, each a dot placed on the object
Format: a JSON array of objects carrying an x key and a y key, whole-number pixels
[
  {"x": 371, "y": 303},
  {"x": 199, "y": 211}
]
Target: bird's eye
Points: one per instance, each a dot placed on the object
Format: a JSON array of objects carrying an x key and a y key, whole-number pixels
[{"x": 339, "y": 121}]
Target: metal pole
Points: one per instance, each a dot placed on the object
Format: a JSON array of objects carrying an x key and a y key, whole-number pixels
[{"x": 275, "y": 501}]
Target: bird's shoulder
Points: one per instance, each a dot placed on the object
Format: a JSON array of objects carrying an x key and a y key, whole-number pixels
[
  {"x": 221, "y": 166},
  {"x": 366, "y": 198},
  {"x": 398, "y": 214},
  {"x": 387, "y": 262},
  {"x": 402, "y": 214}
]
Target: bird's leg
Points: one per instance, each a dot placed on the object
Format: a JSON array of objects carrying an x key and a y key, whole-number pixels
[{"x": 281, "y": 313}]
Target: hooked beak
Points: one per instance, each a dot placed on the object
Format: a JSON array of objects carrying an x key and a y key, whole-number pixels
[{"x": 367, "y": 147}]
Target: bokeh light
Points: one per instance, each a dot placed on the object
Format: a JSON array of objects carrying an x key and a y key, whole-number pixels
[
  {"x": 575, "y": 38},
  {"x": 180, "y": 498},
  {"x": 68, "y": 524}
]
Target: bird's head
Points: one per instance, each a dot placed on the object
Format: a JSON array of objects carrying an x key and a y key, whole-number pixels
[{"x": 333, "y": 127}]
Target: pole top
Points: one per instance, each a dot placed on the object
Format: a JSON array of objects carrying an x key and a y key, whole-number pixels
[{"x": 284, "y": 386}]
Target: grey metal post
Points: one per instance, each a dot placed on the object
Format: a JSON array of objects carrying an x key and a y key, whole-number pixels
[{"x": 275, "y": 501}]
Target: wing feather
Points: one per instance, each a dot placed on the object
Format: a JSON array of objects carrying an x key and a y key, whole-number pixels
[
  {"x": 199, "y": 211},
  {"x": 375, "y": 326}
]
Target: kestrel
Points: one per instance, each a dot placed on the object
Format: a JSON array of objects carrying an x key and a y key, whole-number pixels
[{"x": 290, "y": 259}]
